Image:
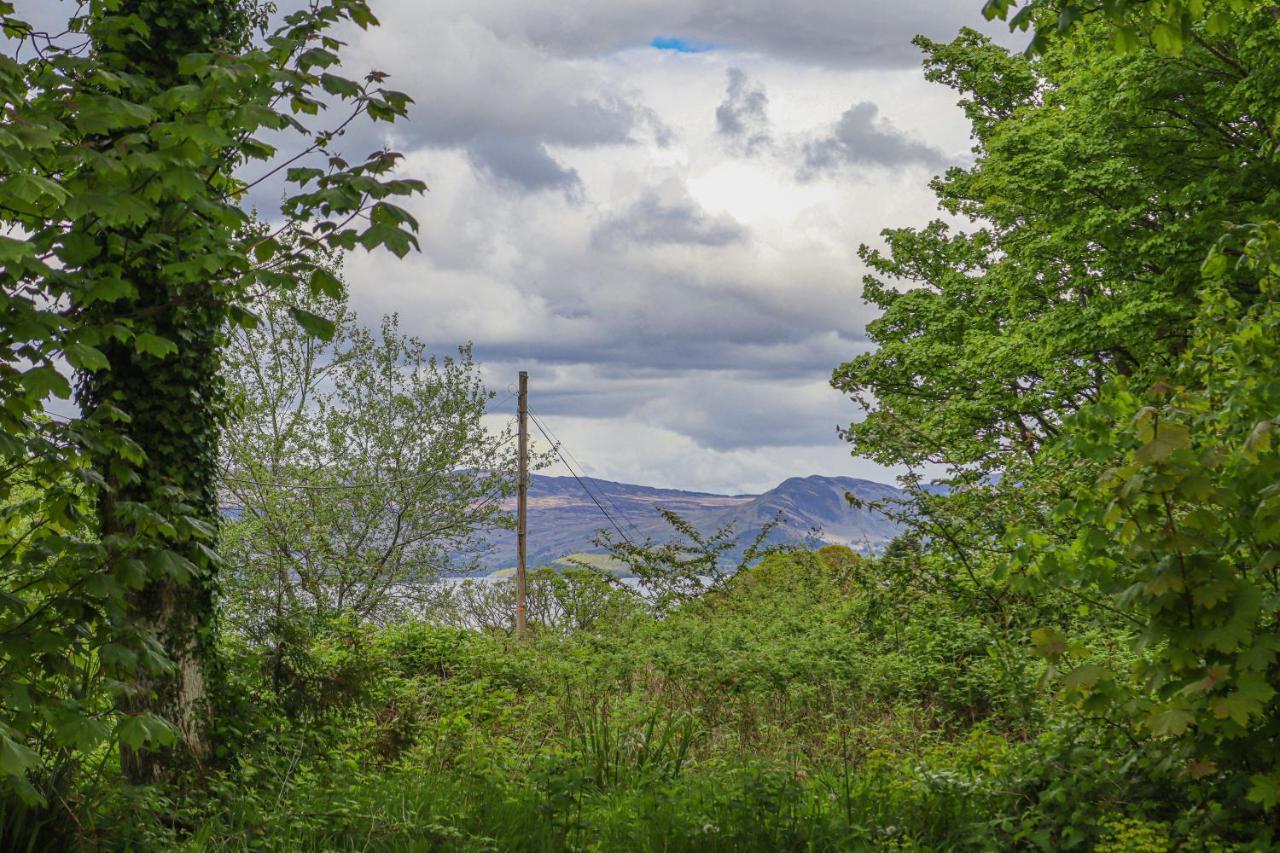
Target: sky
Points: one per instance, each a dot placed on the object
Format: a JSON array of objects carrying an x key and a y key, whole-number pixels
[{"x": 654, "y": 207}]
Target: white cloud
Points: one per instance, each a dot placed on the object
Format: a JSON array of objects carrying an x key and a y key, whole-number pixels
[{"x": 679, "y": 302}]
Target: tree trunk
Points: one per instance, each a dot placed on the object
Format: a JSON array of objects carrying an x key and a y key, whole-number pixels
[
  {"x": 175, "y": 409},
  {"x": 149, "y": 508}
]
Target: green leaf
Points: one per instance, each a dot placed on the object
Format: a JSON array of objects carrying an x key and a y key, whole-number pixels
[
  {"x": 1264, "y": 789},
  {"x": 1259, "y": 440},
  {"x": 1083, "y": 677},
  {"x": 1067, "y": 17},
  {"x": 85, "y": 357},
  {"x": 153, "y": 345},
  {"x": 400, "y": 242},
  {"x": 303, "y": 175},
  {"x": 166, "y": 562},
  {"x": 193, "y": 63},
  {"x": 242, "y": 318},
  {"x": 16, "y": 758},
  {"x": 1219, "y": 24},
  {"x": 264, "y": 250},
  {"x": 1167, "y": 39},
  {"x": 313, "y": 324},
  {"x": 340, "y": 86},
  {"x": 1215, "y": 266},
  {"x": 1169, "y": 437},
  {"x": 1049, "y": 643},
  {"x": 1170, "y": 722},
  {"x": 1236, "y": 706},
  {"x": 993, "y": 9},
  {"x": 40, "y": 382},
  {"x": 78, "y": 247},
  {"x": 326, "y": 283},
  {"x": 132, "y": 731},
  {"x": 83, "y": 733}
]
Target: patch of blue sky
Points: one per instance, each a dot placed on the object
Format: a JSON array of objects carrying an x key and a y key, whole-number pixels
[{"x": 681, "y": 45}]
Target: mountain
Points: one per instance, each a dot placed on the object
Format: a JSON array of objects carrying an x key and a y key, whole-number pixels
[{"x": 563, "y": 518}]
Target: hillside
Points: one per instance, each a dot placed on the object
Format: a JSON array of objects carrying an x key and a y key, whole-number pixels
[{"x": 563, "y": 519}]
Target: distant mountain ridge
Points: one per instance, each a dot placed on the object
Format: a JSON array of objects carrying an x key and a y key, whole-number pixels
[{"x": 563, "y": 518}]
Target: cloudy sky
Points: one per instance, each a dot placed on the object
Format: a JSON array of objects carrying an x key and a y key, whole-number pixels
[{"x": 654, "y": 207}]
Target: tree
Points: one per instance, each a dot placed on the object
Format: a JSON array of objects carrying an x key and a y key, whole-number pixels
[
  {"x": 359, "y": 468},
  {"x": 1168, "y": 26},
  {"x": 565, "y": 600},
  {"x": 127, "y": 152},
  {"x": 691, "y": 563},
  {"x": 1180, "y": 533},
  {"x": 1105, "y": 395},
  {"x": 1101, "y": 182}
]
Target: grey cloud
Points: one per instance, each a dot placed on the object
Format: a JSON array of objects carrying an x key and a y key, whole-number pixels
[
  {"x": 655, "y": 221},
  {"x": 724, "y": 409},
  {"x": 522, "y": 162},
  {"x": 854, "y": 33},
  {"x": 453, "y": 119},
  {"x": 505, "y": 102},
  {"x": 862, "y": 138},
  {"x": 742, "y": 118},
  {"x": 657, "y": 321},
  {"x": 509, "y": 140}
]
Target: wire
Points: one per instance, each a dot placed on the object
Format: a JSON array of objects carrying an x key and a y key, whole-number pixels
[
  {"x": 560, "y": 444},
  {"x": 555, "y": 446}
]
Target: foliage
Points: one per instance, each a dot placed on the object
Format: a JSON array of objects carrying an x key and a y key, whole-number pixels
[
  {"x": 566, "y": 600},
  {"x": 1181, "y": 532},
  {"x": 1168, "y": 25},
  {"x": 1094, "y": 204},
  {"x": 128, "y": 146},
  {"x": 688, "y": 565},
  {"x": 359, "y": 469},
  {"x": 778, "y": 713},
  {"x": 1103, "y": 398}
]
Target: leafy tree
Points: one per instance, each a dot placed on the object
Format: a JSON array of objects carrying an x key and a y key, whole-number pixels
[
  {"x": 1105, "y": 398},
  {"x": 360, "y": 470},
  {"x": 1100, "y": 183},
  {"x": 689, "y": 564},
  {"x": 1181, "y": 532},
  {"x": 569, "y": 601},
  {"x": 1168, "y": 25},
  {"x": 130, "y": 141}
]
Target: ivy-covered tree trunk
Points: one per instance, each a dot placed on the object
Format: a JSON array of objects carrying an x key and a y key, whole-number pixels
[
  {"x": 174, "y": 406},
  {"x": 161, "y": 394},
  {"x": 126, "y": 159}
]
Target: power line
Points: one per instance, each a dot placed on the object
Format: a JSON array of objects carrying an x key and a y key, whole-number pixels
[
  {"x": 555, "y": 446},
  {"x": 619, "y": 510}
]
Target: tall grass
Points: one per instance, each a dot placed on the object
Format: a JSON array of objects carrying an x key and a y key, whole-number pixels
[{"x": 615, "y": 751}]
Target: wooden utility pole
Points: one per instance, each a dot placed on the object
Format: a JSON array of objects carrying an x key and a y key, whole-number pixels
[{"x": 522, "y": 505}]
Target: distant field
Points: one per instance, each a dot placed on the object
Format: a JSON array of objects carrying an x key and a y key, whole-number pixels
[{"x": 599, "y": 562}]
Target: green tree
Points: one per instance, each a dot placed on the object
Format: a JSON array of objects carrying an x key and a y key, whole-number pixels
[
  {"x": 689, "y": 563},
  {"x": 1105, "y": 397},
  {"x": 360, "y": 469},
  {"x": 1100, "y": 183},
  {"x": 130, "y": 141},
  {"x": 1168, "y": 25},
  {"x": 1182, "y": 533}
]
